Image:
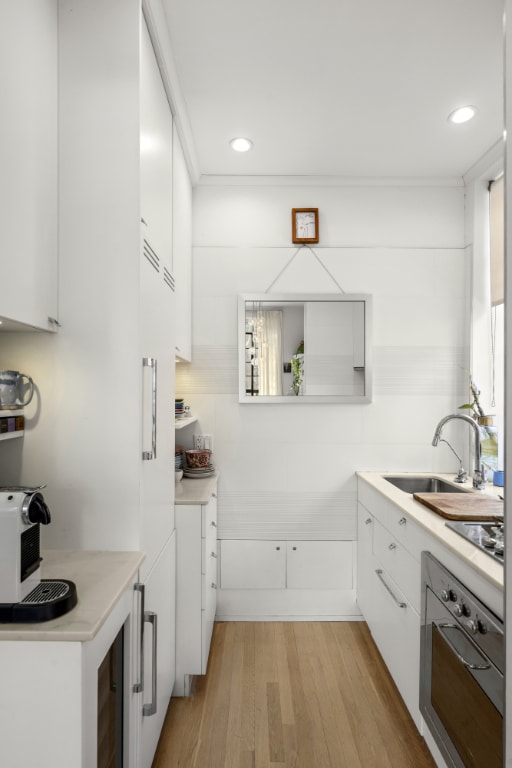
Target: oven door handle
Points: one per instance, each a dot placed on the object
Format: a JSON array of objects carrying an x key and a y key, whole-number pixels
[{"x": 461, "y": 658}]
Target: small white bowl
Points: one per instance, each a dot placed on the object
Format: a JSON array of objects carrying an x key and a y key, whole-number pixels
[{"x": 178, "y": 474}]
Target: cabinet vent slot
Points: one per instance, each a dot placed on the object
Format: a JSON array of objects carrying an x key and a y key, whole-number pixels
[
  {"x": 169, "y": 279},
  {"x": 151, "y": 256}
]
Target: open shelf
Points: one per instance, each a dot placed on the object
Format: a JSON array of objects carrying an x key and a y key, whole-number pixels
[
  {"x": 184, "y": 422},
  {"x": 6, "y": 414}
]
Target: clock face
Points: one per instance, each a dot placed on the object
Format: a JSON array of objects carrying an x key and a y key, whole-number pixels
[{"x": 305, "y": 225}]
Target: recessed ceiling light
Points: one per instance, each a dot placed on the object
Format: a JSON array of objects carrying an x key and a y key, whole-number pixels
[
  {"x": 240, "y": 144},
  {"x": 462, "y": 114}
]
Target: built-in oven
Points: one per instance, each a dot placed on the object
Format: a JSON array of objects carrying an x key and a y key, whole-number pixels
[{"x": 462, "y": 663}]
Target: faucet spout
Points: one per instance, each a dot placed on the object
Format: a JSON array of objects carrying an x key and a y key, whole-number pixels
[{"x": 478, "y": 473}]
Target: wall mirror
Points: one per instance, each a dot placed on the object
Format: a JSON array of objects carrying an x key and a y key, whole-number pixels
[{"x": 309, "y": 348}]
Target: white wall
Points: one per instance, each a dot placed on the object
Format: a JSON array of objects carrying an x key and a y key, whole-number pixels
[{"x": 288, "y": 470}]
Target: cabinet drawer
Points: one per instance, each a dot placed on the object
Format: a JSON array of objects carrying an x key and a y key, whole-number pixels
[
  {"x": 407, "y": 532},
  {"x": 209, "y": 519},
  {"x": 209, "y": 582},
  {"x": 208, "y": 554},
  {"x": 396, "y": 630},
  {"x": 207, "y": 622},
  {"x": 399, "y": 564},
  {"x": 208, "y": 610}
]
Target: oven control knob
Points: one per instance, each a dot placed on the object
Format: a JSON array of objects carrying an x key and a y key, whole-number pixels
[
  {"x": 466, "y": 610},
  {"x": 457, "y": 609},
  {"x": 472, "y": 626},
  {"x": 445, "y": 595},
  {"x": 482, "y": 627},
  {"x": 453, "y": 596}
]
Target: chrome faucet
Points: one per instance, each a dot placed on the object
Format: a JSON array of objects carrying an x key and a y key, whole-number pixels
[{"x": 478, "y": 473}]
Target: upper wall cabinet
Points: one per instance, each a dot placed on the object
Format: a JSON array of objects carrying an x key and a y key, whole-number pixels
[
  {"x": 156, "y": 134},
  {"x": 182, "y": 250},
  {"x": 28, "y": 159},
  {"x": 304, "y": 348}
]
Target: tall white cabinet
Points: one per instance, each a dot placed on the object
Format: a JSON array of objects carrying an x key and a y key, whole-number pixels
[
  {"x": 112, "y": 485},
  {"x": 28, "y": 159}
]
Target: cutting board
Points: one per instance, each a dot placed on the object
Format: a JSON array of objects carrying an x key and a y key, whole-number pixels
[{"x": 463, "y": 506}]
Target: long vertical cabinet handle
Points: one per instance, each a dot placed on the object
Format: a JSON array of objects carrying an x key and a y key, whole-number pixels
[
  {"x": 139, "y": 686},
  {"x": 150, "y": 709},
  {"x": 150, "y": 362}
]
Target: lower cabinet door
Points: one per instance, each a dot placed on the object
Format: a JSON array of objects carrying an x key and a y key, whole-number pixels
[
  {"x": 253, "y": 564},
  {"x": 319, "y": 565},
  {"x": 159, "y": 672}
]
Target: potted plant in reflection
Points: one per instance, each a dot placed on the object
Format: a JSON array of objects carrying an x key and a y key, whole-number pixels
[{"x": 297, "y": 363}]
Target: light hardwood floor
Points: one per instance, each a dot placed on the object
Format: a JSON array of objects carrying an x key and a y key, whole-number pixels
[{"x": 293, "y": 694}]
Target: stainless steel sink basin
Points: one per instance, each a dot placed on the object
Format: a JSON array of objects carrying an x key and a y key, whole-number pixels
[{"x": 423, "y": 484}]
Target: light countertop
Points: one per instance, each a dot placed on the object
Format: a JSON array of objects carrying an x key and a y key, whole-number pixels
[
  {"x": 435, "y": 524},
  {"x": 100, "y": 578},
  {"x": 195, "y": 490}
]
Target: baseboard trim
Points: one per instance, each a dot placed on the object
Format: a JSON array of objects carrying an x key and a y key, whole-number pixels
[
  {"x": 287, "y": 605},
  {"x": 269, "y": 618}
]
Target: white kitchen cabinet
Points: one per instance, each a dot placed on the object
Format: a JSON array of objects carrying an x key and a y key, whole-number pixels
[
  {"x": 113, "y": 442},
  {"x": 398, "y": 563},
  {"x": 253, "y": 564},
  {"x": 28, "y": 158},
  {"x": 50, "y": 670},
  {"x": 182, "y": 250},
  {"x": 247, "y": 564},
  {"x": 196, "y": 593},
  {"x": 156, "y": 159},
  {"x": 395, "y": 627},
  {"x": 319, "y": 565},
  {"x": 159, "y": 670},
  {"x": 388, "y": 593}
]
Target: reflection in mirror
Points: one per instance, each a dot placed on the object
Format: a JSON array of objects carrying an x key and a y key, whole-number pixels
[{"x": 307, "y": 348}]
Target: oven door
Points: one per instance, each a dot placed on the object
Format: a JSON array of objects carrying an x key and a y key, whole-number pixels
[{"x": 461, "y": 691}]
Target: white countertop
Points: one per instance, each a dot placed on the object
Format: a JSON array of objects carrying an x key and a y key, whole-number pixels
[
  {"x": 435, "y": 524},
  {"x": 195, "y": 490},
  {"x": 100, "y": 578}
]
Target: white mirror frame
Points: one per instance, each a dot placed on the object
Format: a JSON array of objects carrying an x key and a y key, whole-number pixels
[{"x": 305, "y": 297}]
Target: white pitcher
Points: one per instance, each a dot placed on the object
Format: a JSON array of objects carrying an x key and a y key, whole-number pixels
[{"x": 11, "y": 385}]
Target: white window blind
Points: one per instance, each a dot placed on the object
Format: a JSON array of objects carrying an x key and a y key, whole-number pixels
[{"x": 497, "y": 240}]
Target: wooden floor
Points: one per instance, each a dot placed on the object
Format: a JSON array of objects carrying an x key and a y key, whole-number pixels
[{"x": 294, "y": 694}]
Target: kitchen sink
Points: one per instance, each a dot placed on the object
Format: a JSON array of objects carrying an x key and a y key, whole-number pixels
[{"x": 423, "y": 484}]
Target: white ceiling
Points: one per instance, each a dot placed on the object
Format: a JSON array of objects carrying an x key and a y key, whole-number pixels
[{"x": 351, "y": 88}]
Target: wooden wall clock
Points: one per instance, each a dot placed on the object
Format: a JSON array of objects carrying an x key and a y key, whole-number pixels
[{"x": 305, "y": 225}]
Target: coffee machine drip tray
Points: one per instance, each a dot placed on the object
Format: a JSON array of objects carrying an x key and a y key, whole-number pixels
[{"x": 49, "y": 600}]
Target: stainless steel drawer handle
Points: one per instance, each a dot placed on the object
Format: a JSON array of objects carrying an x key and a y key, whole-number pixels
[
  {"x": 213, "y": 585},
  {"x": 139, "y": 686},
  {"x": 402, "y": 521},
  {"x": 214, "y": 495},
  {"x": 368, "y": 521},
  {"x": 150, "y": 709},
  {"x": 397, "y": 601},
  {"x": 213, "y": 523},
  {"x": 214, "y": 554},
  {"x": 392, "y": 546}
]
